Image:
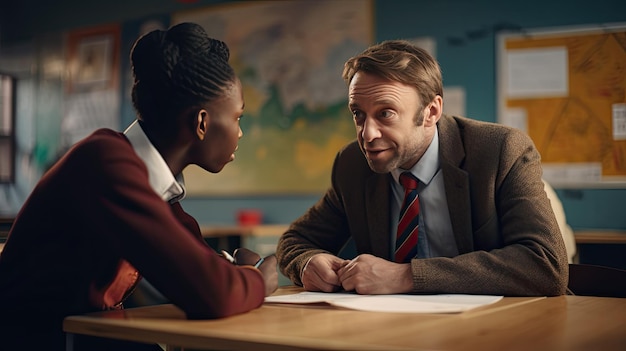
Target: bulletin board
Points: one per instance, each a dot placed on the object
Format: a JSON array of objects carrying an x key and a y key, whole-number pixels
[{"x": 567, "y": 89}]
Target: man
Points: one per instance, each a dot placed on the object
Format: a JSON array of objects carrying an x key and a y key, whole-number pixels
[{"x": 485, "y": 225}]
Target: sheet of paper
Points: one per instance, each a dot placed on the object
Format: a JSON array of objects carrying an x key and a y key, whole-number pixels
[
  {"x": 619, "y": 121},
  {"x": 445, "y": 303},
  {"x": 516, "y": 118},
  {"x": 454, "y": 103},
  {"x": 537, "y": 73},
  {"x": 563, "y": 173}
]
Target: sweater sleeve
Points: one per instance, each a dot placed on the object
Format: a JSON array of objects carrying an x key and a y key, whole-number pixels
[{"x": 130, "y": 219}]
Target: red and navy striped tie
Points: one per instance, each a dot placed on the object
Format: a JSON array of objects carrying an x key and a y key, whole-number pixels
[{"x": 406, "y": 238}]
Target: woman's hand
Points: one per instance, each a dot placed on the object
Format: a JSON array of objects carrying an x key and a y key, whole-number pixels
[{"x": 245, "y": 257}]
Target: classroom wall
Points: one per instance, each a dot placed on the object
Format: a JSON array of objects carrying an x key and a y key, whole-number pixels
[{"x": 465, "y": 46}]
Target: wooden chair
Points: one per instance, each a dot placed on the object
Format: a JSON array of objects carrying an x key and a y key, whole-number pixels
[{"x": 592, "y": 280}]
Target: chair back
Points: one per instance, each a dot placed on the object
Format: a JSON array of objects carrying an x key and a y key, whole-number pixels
[{"x": 592, "y": 280}]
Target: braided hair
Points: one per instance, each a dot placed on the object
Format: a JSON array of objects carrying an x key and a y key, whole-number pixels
[{"x": 175, "y": 70}]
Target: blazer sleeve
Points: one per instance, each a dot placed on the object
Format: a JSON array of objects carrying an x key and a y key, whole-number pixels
[
  {"x": 130, "y": 219},
  {"x": 323, "y": 228}
]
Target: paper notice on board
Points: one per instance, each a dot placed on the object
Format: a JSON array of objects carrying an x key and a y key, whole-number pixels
[
  {"x": 516, "y": 118},
  {"x": 537, "y": 73},
  {"x": 427, "y": 43},
  {"x": 454, "y": 101},
  {"x": 555, "y": 173},
  {"x": 619, "y": 121}
]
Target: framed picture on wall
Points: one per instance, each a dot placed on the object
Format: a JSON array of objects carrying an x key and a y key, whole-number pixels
[
  {"x": 94, "y": 61},
  {"x": 92, "y": 82},
  {"x": 93, "y": 56}
]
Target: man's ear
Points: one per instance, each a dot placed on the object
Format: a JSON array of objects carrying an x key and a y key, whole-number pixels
[
  {"x": 433, "y": 111},
  {"x": 201, "y": 123}
]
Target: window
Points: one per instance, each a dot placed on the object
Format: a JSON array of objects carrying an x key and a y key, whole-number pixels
[{"x": 7, "y": 128}]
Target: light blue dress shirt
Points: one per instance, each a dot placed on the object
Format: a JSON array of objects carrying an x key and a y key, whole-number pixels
[{"x": 435, "y": 236}]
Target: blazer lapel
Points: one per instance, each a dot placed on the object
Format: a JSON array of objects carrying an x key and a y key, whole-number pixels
[{"x": 456, "y": 182}]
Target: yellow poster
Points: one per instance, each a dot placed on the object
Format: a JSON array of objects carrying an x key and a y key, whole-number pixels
[{"x": 577, "y": 114}]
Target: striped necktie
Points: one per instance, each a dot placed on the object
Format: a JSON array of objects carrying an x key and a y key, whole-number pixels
[{"x": 406, "y": 238}]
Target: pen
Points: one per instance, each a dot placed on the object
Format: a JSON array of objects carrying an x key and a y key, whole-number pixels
[
  {"x": 232, "y": 260},
  {"x": 228, "y": 256},
  {"x": 259, "y": 262}
]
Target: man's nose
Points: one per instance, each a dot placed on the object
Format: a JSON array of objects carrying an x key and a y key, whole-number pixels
[{"x": 371, "y": 130}]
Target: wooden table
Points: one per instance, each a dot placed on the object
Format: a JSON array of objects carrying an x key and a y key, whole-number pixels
[
  {"x": 5, "y": 226},
  {"x": 598, "y": 236},
  {"x": 216, "y": 231},
  {"x": 555, "y": 323},
  {"x": 231, "y": 237}
]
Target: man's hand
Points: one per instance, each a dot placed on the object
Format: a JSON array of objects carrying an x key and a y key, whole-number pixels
[
  {"x": 367, "y": 274},
  {"x": 245, "y": 257},
  {"x": 320, "y": 273}
]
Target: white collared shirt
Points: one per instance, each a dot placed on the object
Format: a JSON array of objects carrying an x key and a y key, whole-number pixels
[
  {"x": 164, "y": 183},
  {"x": 435, "y": 236}
]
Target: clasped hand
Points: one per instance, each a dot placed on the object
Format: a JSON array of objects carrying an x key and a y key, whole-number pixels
[{"x": 365, "y": 274}]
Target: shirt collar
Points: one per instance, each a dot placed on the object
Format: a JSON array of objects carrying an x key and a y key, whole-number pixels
[
  {"x": 171, "y": 188},
  {"x": 426, "y": 168}
]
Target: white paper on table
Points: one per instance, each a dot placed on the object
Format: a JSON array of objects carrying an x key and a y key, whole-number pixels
[{"x": 444, "y": 303}]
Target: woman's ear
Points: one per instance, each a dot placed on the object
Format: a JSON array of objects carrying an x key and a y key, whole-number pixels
[{"x": 201, "y": 123}]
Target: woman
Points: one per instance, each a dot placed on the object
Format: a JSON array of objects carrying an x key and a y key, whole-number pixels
[{"x": 107, "y": 213}]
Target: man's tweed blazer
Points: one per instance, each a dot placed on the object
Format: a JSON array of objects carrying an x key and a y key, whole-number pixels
[{"x": 505, "y": 230}]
